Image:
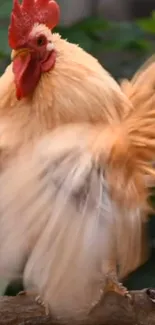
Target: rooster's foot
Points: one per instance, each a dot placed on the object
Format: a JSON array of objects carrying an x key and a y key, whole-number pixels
[
  {"x": 37, "y": 299},
  {"x": 114, "y": 285},
  {"x": 43, "y": 304},
  {"x": 111, "y": 283}
]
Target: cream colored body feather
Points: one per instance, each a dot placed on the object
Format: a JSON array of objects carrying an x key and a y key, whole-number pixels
[{"x": 75, "y": 209}]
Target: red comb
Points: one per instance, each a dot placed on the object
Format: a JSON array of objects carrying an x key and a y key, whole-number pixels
[{"x": 25, "y": 15}]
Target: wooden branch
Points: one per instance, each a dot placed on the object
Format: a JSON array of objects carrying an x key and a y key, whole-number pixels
[{"x": 112, "y": 310}]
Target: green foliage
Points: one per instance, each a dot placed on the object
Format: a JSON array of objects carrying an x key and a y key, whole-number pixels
[
  {"x": 93, "y": 32},
  {"x": 120, "y": 46},
  {"x": 147, "y": 24},
  {"x": 107, "y": 35},
  {"x": 110, "y": 35}
]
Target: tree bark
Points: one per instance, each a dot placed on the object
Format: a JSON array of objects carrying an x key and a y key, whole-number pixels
[{"x": 113, "y": 309}]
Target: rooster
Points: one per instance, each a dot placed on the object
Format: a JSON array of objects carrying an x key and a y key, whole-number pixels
[
  {"x": 66, "y": 219},
  {"x": 73, "y": 210},
  {"x": 50, "y": 81}
]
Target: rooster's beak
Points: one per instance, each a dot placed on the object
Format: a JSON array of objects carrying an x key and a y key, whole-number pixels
[{"x": 21, "y": 52}]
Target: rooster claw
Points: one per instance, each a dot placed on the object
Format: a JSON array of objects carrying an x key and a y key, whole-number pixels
[
  {"x": 128, "y": 296},
  {"x": 22, "y": 293},
  {"x": 124, "y": 292},
  {"x": 40, "y": 302},
  {"x": 37, "y": 299}
]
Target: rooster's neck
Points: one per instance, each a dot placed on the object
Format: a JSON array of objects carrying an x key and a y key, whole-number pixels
[{"x": 24, "y": 121}]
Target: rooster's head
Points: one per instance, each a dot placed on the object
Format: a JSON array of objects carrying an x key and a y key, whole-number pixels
[{"x": 31, "y": 41}]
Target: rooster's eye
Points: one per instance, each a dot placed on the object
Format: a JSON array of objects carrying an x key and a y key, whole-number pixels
[{"x": 41, "y": 40}]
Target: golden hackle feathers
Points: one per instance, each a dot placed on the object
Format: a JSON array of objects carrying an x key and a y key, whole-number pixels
[{"x": 77, "y": 90}]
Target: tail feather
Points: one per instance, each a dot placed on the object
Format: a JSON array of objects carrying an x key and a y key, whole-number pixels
[
  {"x": 142, "y": 85},
  {"x": 141, "y": 92}
]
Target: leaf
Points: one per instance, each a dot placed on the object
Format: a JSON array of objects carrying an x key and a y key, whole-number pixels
[
  {"x": 147, "y": 24},
  {"x": 139, "y": 45}
]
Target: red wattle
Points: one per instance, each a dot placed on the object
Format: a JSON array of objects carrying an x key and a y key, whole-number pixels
[
  {"x": 49, "y": 61},
  {"x": 27, "y": 73}
]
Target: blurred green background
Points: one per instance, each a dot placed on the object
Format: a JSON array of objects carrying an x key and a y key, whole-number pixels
[{"x": 121, "y": 47}]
